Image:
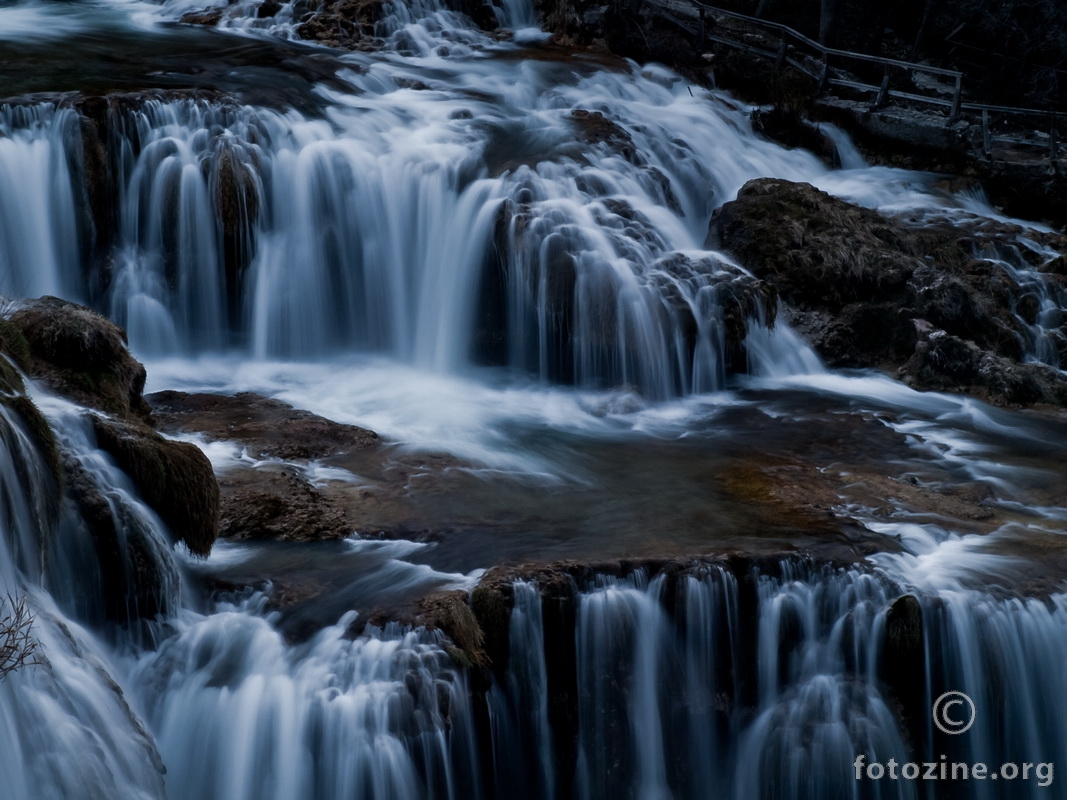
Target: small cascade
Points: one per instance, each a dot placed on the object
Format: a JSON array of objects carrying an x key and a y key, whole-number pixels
[
  {"x": 1040, "y": 305},
  {"x": 39, "y": 232},
  {"x": 111, "y": 558},
  {"x": 241, "y": 715},
  {"x": 65, "y": 728}
]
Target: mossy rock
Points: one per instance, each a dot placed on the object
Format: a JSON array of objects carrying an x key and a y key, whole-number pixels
[
  {"x": 40, "y": 432},
  {"x": 451, "y": 613},
  {"x": 174, "y": 478},
  {"x": 14, "y": 344},
  {"x": 10, "y": 379},
  {"x": 491, "y": 603},
  {"x": 78, "y": 354}
]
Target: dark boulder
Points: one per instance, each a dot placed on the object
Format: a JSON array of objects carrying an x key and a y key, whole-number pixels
[
  {"x": 816, "y": 249},
  {"x": 945, "y": 362},
  {"x": 174, "y": 478},
  {"x": 903, "y": 664},
  {"x": 866, "y": 290},
  {"x": 81, "y": 355}
]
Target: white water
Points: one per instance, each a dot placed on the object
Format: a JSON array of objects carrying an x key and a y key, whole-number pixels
[{"x": 670, "y": 707}]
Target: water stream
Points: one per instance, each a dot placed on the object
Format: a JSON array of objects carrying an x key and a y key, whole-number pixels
[{"x": 477, "y": 247}]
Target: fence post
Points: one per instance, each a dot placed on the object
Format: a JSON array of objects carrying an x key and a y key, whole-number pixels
[
  {"x": 824, "y": 75},
  {"x": 701, "y": 30},
  {"x": 883, "y": 93},
  {"x": 987, "y": 148},
  {"x": 779, "y": 62},
  {"x": 957, "y": 101}
]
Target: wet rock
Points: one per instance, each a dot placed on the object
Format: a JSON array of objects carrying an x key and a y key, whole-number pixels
[
  {"x": 268, "y": 8},
  {"x": 903, "y": 665},
  {"x": 945, "y": 362},
  {"x": 235, "y": 186},
  {"x": 739, "y": 299},
  {"x": 789, "y": 128},
  {"x": 451, "y": 613},
  {"x": 130, "y": 574},
  {"x": 268, "y": 428},
  {"x": 343, "y": 24},
  {"x": 80, "y": 355},
  {"x": 174, "y": 478},
  {"x": 269, "y": 500},
  {"x": 259, "y": 504},
  {"x": 818, "y": 250},
  {"x": 594, "y": 128},
  {"x": 491, "y": 603},
  {"x": 209, "y": 17},
  {"x": 861, "y": 287}
]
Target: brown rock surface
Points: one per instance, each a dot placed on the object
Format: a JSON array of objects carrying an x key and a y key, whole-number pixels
[
  {"x": 868, "y": 290},
  {"x": 79, "y": 354}
]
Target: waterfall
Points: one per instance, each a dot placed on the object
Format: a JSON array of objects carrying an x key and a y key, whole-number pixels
[
  {"x": 241, "y": 715},
  {"x": 450, "y": 224},
  {"x": 419, "y": 224},
  {"x": 753, "y": 685},
  {"x": 38, "y": 229},
  {"x": 66, "y": 729}
]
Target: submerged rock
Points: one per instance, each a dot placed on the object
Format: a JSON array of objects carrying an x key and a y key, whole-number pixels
[{"x": 268, "y": 428}]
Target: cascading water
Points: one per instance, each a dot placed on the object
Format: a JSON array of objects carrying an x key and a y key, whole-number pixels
[
  {"x": 677, "y": 697},
  {"x": 66, "y": 729},
  {"x": 446, "y": 225},
  {"x": 240, "y": 714},
  {"x": 447, "y": 202}
]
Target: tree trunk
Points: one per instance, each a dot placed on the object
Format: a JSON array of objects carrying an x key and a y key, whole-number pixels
[{"x": 828, "y": 22}]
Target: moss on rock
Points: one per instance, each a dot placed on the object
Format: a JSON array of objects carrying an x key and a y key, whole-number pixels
[
  {"x": 451, "y": 613},
  {"x": 81, "y": 355},
  {"x": 174, "y": 478}
]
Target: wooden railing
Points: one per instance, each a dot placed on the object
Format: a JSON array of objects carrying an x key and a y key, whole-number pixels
[{"x": 825, "y": 65}]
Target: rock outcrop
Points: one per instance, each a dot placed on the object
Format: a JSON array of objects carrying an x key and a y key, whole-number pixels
[
  {"x": 267, "y": 428},
  {"x": 913, "y": 298},
  {"x": 82, "y": 356},
  {"x": 79, "y": 354},
  {"x": 174, "y": 478}
]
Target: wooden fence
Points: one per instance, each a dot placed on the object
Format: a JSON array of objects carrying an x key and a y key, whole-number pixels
[{"x": 828, "y": 68}]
